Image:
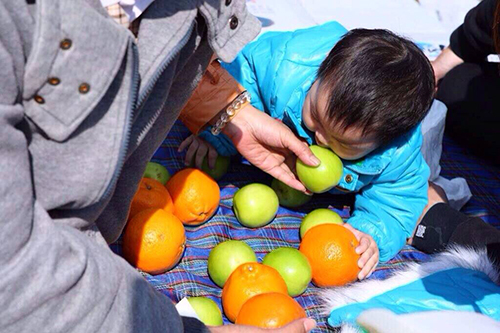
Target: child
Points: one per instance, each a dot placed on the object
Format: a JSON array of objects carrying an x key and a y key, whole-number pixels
[{"x": 364, "y": 100}]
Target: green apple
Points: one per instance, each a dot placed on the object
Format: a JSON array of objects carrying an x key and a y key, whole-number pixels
[
  {"x": 255, "y": 205},
  {"x": 317, "y": 217},
  {"x": 323, "y": 177},
  {"x": 225, "y": 257},
  {"x": 157, "y": 172},
  {"x": 207, "y": 310},
  {"x": 293, "y": 267},
  {"x": 289, "y": 197},
  {"x": 220, "y": 169}
]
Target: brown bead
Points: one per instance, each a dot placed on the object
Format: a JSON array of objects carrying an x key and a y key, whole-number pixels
[{"x": 348, "y": 179}]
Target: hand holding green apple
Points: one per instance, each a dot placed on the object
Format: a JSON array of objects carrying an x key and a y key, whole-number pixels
[{"x": 323, "y": 177}]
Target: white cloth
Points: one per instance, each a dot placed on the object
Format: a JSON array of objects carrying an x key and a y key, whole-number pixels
[
  {"x": 385, "y": 321},
  {"x": 132, "y": 8}
]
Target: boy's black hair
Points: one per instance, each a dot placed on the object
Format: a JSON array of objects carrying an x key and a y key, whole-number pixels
[{"x": 378, "y": 81}]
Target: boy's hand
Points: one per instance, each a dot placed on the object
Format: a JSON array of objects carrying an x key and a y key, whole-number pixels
[
  {"x": 368, "y": 250},
  {"x": 199, "y": 148}
]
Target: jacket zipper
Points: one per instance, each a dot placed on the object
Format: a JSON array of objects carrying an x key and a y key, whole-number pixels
[
  {"x": 137, "y": 99},
  {"x": 164, "y": 64},
  {"x": 134, "y": 92}
]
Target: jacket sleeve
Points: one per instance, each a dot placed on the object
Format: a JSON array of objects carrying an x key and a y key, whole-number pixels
[
  {"x": 53, "y": 277},
  {"x": 389, "y": 207},
  {"x": 473, "y": 40},
  {"x": 215, "y": 91}
]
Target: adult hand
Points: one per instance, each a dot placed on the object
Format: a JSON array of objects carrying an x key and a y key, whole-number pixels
[
  {"x": 297, "y": 326},
  {"x": 269, "y": 145},
  {"x": 446, "y": 61}
]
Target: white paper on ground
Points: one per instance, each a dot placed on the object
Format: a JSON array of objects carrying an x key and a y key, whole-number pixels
[{"x": 185, "y": 309}]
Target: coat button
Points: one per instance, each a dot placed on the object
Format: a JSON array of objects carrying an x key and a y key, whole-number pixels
[
  {"x": 233, "y": 22},
  {"x": 348, "y": 179},
  {"x": 65, "y": 43},
  {"x": 39, "y": 99},
  {"x": 228, "y": 2},
  {"x": 84, "y": 88},
  {"x": 54, "y": 81}
]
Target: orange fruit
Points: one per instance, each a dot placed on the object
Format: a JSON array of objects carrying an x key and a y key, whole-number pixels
[
  {"x": 195, "y": 195},
  {"x": 270, "y": 310},
  {"x": 248, "y": 280},
  {"x": 330, "y": 249},
  {"x": 150, "y": 194},
  {"x": 154, "y": 241}
]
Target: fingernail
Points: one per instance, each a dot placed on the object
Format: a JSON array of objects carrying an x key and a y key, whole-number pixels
[
  {"x": 315, "y": 160},
  {"x": 309, "y": 324},
  {"x": 309, "y": 193}
]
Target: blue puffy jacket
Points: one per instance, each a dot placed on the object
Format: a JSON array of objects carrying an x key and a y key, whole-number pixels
[{"x": 278, "y": 69}]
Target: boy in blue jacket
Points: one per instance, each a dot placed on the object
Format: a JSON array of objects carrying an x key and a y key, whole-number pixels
[{"x": 362, "y": 93}]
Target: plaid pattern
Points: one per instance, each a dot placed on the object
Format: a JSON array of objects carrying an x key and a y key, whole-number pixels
[
  {"x": 483, "y": 179},
  {"x": 118, "y": 14},
  {"x": 190, "y": 277}
]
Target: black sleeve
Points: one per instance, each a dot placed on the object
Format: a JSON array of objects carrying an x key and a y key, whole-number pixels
[{"x": 473, "y": 40}]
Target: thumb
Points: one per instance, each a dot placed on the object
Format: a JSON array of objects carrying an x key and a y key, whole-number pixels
[
  {"x": 300, "y": 149},
  {"x": 299, "y": 326}
]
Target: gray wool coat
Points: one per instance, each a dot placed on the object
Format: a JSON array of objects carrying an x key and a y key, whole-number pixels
[{"x": 82, "y": 109}]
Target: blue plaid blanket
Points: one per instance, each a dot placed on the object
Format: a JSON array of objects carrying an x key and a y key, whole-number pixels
[{"x": 190, "y": 277}]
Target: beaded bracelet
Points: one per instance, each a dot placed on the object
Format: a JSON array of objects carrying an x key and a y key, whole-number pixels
[{"x": 232, "y": 109}]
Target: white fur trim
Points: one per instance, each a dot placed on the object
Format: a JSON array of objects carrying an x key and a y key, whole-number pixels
[
  {"x": 454, "y": 257},
  {"x": 345, "y": 328}
]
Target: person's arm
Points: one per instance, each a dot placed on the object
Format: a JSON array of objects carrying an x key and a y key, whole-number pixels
[
  {"x": 54, "y": 278},
  {"x": 262, "y": 140},
  {"x": 473, "y": 40},
  {"x": 390, "y": 206},
  {"x": 216, "y": 90}
]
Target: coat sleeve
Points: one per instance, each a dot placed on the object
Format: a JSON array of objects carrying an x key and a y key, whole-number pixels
[
  {"x": 242, "y": 70},
  {"x": 473, "y": 40},
  {"x": 389, "y": 207},
  {"x": 215, "y": 91},
  {"x": 54, "y": 277}
]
